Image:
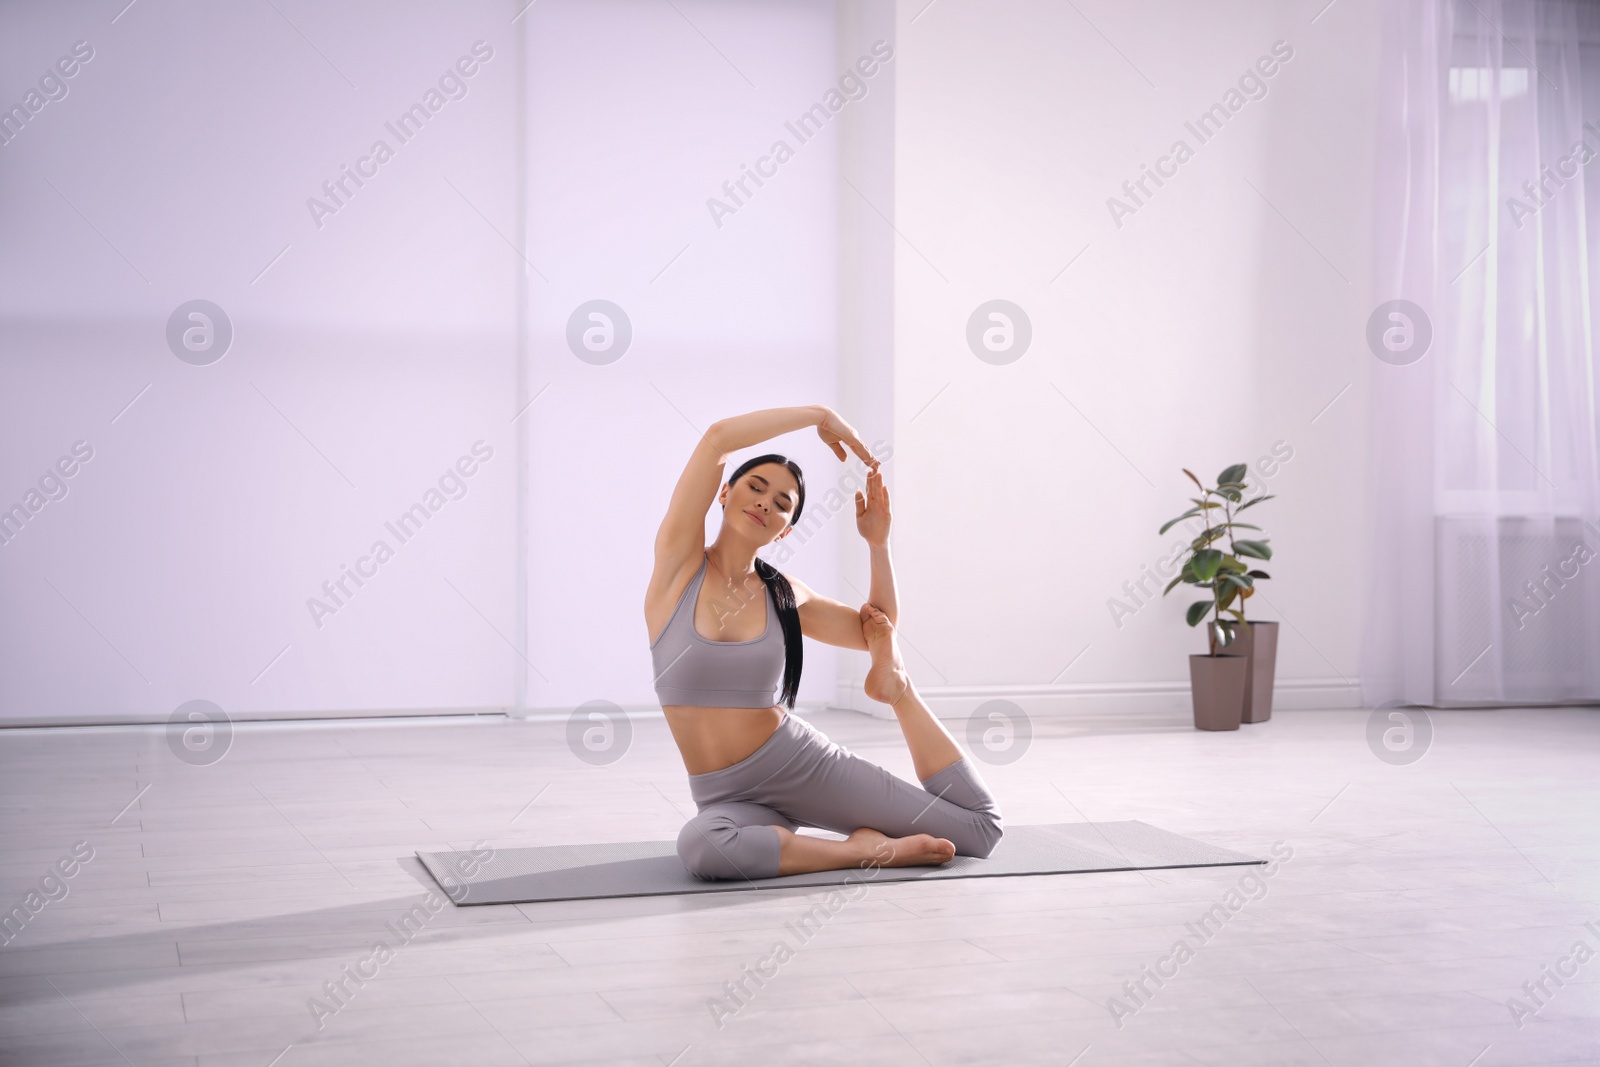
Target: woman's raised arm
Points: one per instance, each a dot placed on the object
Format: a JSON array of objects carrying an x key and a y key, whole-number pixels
[
  {"x": 742, "y": 431},
  {"x": 682, "y": 533}
]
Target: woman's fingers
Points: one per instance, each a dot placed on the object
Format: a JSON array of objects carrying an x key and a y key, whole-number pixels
[
  {"x": 876, "y": 490},
  {"x": 845, "y": 436}
]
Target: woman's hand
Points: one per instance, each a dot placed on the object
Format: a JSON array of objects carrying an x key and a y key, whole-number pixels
[
  {"x": 872, "y": 510},
  {"x": 838, "y": 434}
]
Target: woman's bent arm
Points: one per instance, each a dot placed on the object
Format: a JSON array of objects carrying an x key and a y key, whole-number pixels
[{"x": 742, "y": 431}]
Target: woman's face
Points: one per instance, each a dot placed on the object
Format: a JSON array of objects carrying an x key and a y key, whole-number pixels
[{"x": 760, "y": 503}]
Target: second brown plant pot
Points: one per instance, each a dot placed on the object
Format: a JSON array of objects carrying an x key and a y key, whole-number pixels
[
  {"x": 1217, "y": 686},
  {"x": 1261, "y": 646}
]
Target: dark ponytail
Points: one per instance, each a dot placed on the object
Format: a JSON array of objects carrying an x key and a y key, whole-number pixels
[
  {"x": 782, "y": 594},
  {"x": 778, "y": 587}
]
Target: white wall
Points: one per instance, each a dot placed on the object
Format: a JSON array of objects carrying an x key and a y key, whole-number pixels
[
  {"x": 370, "y": 355},
  {"x": 374, "y": 349},
  {"x": 1219, "y": 319},
  {"x": 638, "y": 116},
  {"x": 381, "y": 345}
]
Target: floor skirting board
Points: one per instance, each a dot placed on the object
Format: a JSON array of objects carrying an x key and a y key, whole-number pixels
[
  {"x": 137, "y": 718},
  {"x": 947, "y": 702},
  {"x": 1142, "y": 705},
  {"x": 1152, "y": 699},
  {"x": 959, "y": 701}
]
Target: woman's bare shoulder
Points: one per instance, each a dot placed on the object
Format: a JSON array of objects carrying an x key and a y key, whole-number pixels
[{"x": 802, "y": 591}]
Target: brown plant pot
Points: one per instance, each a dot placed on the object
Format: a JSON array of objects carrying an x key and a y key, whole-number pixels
[
  {"x": 1261, "y": 645},
  {"x": 1217, "y": 685}
]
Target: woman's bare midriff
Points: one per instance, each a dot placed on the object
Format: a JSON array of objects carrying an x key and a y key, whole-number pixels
[{"x": 710, "y": 739}]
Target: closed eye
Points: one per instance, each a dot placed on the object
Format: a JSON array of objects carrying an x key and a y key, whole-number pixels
[{"x": 784, "y": 500}]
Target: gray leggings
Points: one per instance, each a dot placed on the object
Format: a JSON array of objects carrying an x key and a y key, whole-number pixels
[{"x": 800, "y": 778}]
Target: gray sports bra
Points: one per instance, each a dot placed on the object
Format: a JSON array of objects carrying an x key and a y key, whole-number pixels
[{"x": 691, "y": 669}]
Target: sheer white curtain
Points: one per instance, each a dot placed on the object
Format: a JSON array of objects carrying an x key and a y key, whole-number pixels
[{"x": 1486, "y": 546}]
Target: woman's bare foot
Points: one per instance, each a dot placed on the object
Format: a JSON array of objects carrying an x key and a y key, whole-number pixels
[
  {"x": 887, "y": 680},
  {"x": 918, "y": 850}
]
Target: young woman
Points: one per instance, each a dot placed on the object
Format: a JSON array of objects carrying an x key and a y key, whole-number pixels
[{"x": 726, "y": 626}]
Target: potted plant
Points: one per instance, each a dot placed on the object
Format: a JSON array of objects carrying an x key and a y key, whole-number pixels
[
  {"x": 1257, "y": 639},
  {"x": 1218, "y": 679}
]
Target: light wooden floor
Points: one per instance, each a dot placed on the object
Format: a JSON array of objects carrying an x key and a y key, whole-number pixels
[{"x": 1417, "y": 901}]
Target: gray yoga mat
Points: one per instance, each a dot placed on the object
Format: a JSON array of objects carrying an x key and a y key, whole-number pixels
[{"x": 651, "y": 868}]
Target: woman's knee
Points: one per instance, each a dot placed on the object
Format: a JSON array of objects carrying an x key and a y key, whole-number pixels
[
  {"x": 714, "y": 847},
  {"x": 993, "y": 832},
  {"x": 985, "y": 834},
  {"x": 699, "y": 849}
]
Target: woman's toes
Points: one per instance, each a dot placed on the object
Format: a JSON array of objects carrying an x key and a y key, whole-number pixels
[{"x": 935, "y": 849}]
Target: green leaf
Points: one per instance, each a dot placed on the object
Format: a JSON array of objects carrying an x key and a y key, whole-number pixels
[
  {"x": 1205, "y": 503},
  {"x": 1237, "y": 581},
  {"x": 1197, "y": 611},
  {"x": 1230, "y": 492},
  {"x": 1231, "y": 564},
  {"x": 1171, "y": 585},
  {"x": 1237, "y": 525},
  {"x": 1259, "y": 574},
  {"x": 1254, "y": 549},
  {"x": 1227, "y": 597},
  {"x": 1206, "y": 562},
  {"x": 1173, "y": 522},
  {"x": 1234, "y": 473},
  {"x": 1193, "y": 479},
  {"x": 1257, "y": 500}
]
